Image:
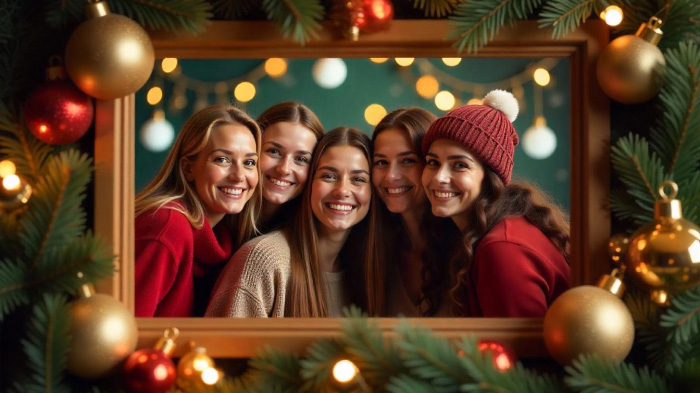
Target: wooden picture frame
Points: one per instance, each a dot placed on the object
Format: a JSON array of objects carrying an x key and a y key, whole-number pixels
[{"x": 589, "y": 157}]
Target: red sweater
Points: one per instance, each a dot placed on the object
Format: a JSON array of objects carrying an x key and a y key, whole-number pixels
[
  {"x": 517, "y": 272},
  {"x": 169, "y": 253}
]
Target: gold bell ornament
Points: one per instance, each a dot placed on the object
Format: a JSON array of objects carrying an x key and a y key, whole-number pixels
[
  {"x": 195, "y": 370},
  {"x": 104, "y": 334},
  {"x": 664, "y": 255},
  {"x": 108, "y": 56},
  {"x": 590, "y": 320},
  {"x": 630, "y": 68}
]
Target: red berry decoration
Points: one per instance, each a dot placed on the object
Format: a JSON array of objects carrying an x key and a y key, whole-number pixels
[
  {"x": 502, "y": 356},
  {"x": 57, "y": 112},
  {"x": 376, "y": 15},
  {"x": 150, "y": 370}
]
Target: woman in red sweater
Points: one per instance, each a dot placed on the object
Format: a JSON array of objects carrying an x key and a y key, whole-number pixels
[
  {"x": 514, "y": 254},
  {"x": 197, "y": 210}
]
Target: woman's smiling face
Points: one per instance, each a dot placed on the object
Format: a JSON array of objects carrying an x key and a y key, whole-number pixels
[{"x": 341, "y": 189}]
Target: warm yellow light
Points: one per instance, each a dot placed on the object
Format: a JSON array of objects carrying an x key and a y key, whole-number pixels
[
  {"x": 427, "y": 86},
  {"x": 444, "y": 100},
  {"x": 542, "y": 77},
  {"x": 404, "y": 61},
  {"x": 612, "y": 15},
  {"x": 344, "y": 371},
  {"x": 7, "y": 168},
  {"x": 11, "y": 182},
  {"x": 378, "y": 60},
  {"x": 155, "y": 94},
  {"x": 374, "y": 113},
  {"x": 275, "y": 67},
  {"x": 244, "y": 92},
  {"x": 169, "y": 64},
  {"x": 475, "y": 101},
  {"x": 451, "y": 61},
  {"x": 210, "y": 376},
  {"x": 200, "y": 364}
]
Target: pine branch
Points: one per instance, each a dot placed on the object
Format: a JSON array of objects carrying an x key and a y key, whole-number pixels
[
  {"x": 405, "y": 383},
  {"x": 625, "y": 207},
  {"x": 689, "y": 194},
  {"x": 276, "y": 371},
  {"x": 12, "y": 295},
  {"x": 476, "y": 22},
  {"x": 61, "y": 13},
  {"x": 683, "y": 318},
  {"x": 565, "y": 15},
  {"x": 681, "y": 24},
  {"x": 298, "y": 19},
  {"x": 19, "y": 146},
  {"x": 316, "y": 369},
  {"x": 593, "y": 374},
  {"x": 435, "y": 8},
  {"x": 233, "y": 9},
  {"x": 46, "y": 345}
]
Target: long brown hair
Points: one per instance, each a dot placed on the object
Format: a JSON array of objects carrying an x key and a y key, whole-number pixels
[
  {"x": 295, "y": 113},
  {"x": 307, "y": 296},
  {"x": 496, "y": 202},
  {"x": 170, "y": 184},
  {"x": 389, "y": 234}
]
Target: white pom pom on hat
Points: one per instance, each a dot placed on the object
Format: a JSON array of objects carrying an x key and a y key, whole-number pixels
[{"x": 503, "y": 101}]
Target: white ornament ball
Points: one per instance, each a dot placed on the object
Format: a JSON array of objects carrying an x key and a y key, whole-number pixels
[
  {"x": 539, "y": 142},
  {"x": 504, "y": 101},
  {"x": 329, "y": 73},
  {"x": 157, "y": 135}
]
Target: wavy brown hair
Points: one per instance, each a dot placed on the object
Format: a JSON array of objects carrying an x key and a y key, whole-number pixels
[
  {"x": 389, "y": 234},
  {"x": 306, "y": 294},
  {"x": 496, "y": 202}
]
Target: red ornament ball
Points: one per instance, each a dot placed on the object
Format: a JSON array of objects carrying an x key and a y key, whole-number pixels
[
  {"x": 58, "y": 113},
  {"x": 149, "y": 371},
  {"x": 502, "y": 356},
  {"x": 376, "y": 15}
]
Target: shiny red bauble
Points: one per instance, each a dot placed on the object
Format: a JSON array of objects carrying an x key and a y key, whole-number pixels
[
  {"x": 58, "y": 113},
  {"x": 149, "y": 370},
  {"x": 502, "y": 356},
  {"x": 376, "y": 15}
]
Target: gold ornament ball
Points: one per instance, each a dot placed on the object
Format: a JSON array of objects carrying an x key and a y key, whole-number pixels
[
  {"x": 104, "y": 334},
  {"x": 109, "y": 56},
  {"x": 586, "y": 320},
  {"x": 190, "y": 369}
]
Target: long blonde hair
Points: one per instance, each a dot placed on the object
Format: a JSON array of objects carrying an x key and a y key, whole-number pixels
[
  {"x": 170, "y": 184},
  {"x": 307, "y": 296}
]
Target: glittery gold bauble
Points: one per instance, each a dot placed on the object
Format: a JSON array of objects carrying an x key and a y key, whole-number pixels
[
  {"x": 664, "y": 255},
  {"x": 587, "y": 320},
  {"x": 109, "y": 56},
  {"x": 617, "y": 247},
  {"x": 630, "y": 68},
  {"x": 14, "y": 192},
  {"x": 190, "y": 369},
  {"x": 104, "y": 334}
]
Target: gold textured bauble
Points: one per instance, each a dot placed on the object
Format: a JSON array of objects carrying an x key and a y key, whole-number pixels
[
  {"x": 617, "y": 247},
  {"x": 104, "y": 333},
  {"x": 664, "y": 255},
  {"x": 630, "y": 68},
  {"x": 109, "y": 56},
  {"x": 587, "y": 320},
  {"x": 190, "y": 368}
]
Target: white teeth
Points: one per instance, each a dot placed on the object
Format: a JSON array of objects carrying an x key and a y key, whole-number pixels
[
  {"x": 231, "y": 191},
  {"x": 340, "y": 207},
  {"x": 445, "y": 194},
  {"x": 280, "y": 183},
  {"x": 397, "y": 190}
]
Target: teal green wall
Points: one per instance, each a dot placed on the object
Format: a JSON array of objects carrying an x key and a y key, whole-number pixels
[{"x": 386, "y": 84}]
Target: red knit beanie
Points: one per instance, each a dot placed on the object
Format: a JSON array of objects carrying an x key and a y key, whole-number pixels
[{"x": 486, "y": 130}]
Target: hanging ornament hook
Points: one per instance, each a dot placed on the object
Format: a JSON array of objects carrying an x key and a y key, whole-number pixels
[{"x": 674, "y": 192}]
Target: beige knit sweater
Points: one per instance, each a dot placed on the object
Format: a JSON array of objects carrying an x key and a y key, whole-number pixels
[{"x": 255, "y": 282}]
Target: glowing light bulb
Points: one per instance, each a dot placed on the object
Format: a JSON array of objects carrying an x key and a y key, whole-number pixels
[
  {"x": 210, "y": 376},
  {"x": 427, "y": 86},
  {"x": 542, "y": 77},
  {"x": 11, "y": 182},
  {"x": 445, "y": 100},
  {"x": 7, "y": 168},
  {"x": 155, "y": 94},
  {"x": 404, "y": 61},
  {"x": 344, "y": 371},
  {"x": 168, "y": 65},
  {"x": 275, "y": 67},
  {"x": 451, "y": 61},
  {"x": 378, "y": 60},
  {"x": 612, "y": 15},
  {"x": 374, "y": 113},
  {"x": 244, "y": 91}
]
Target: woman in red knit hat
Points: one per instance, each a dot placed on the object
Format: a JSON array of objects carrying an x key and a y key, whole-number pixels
[
  {"x": 514, "y": 254},
  {"x": 201, "y": 205}
]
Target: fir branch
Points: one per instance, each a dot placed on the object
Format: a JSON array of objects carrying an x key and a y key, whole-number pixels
[
  {"x": 476, "y": 22},
  {"x": 276, "y": 371},
  {"x": 683, "y": 318},
  {"x": 435, "y": 8},
  {"x": 233, "y": 9},
  {"x": 689, "y": 194},
  {"x": 19, "y": 146},
  {"x": 406, "y": 383},
  {"x": 676, "y": 135},
  {"x": 61, "y": 13},
  {"x": 298, "y": 19},
  {"x": 594, "y": 374},
  {"x": 316, "y": 369},
  {"x": 565, "y": 15},
  {"x": 625, "y": 207},
  {"x": 681, "y": 24},
  {"x": 46, "y": 345},
  {"x": 12, "y": 293}
]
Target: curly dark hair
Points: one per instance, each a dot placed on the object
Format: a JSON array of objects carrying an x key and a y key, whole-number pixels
[{"x": 496, "y": 202}]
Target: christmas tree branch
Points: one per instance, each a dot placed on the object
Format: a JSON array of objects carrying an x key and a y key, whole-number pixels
[
  {"x": 298, "y": 19},
  {"x": 683, "y": 318},
  {"x": 565, "y": 15},
  {"x": 435, "y": 8},
  {"x": 592, "y": 373},
  {"x": 232, "y": 9}
]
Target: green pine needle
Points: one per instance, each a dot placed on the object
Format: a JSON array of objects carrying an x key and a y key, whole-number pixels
[
  {"x": 19, "y": 146},
  {"x": 12, "y": 293},
  {"x": 476, "y": 22},
  {"x": 316, "y": 369},
  {"x": 564, "y": 16},
  {"x": 435, "y": 8},
  {"x": 626, "y": 208},
  {"x": 276, "y": 371},
  {"x": 681, "y": 23},
  {"x": 406, "y": 383},
  {"x": 46, "y": 345},
  {"x": 592, "y": 374},
  {"x": 233, "y": 9},
  {"x": 683, "y": 318},
  {"x": 298, "y": 19}
]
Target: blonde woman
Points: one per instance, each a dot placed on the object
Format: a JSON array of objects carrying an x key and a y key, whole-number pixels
[
  {"x": 314, "y": 267},
  {"x": 198, "y": 209}
]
